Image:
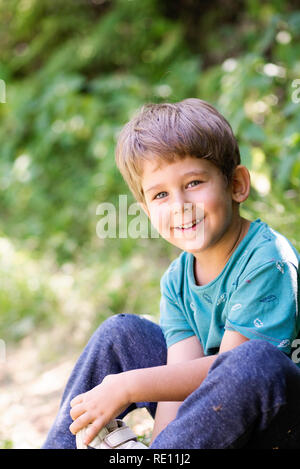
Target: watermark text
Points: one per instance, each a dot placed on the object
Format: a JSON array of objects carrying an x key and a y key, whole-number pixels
[
  {"x": 296, "y": 93},
  {"x": 169, "y": 220},
  {"x": 296, "y": 353},
  {"x": 2, "y": 351},
  {"x": 2, "y": 91}
]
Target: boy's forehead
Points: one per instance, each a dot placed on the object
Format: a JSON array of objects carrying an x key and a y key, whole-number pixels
[
  {"x": 153, "y": 165},
  {"x": 189, "y": 162}
]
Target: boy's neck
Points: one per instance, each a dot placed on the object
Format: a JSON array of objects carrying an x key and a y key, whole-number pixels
[{"x": 210, "y": 263}]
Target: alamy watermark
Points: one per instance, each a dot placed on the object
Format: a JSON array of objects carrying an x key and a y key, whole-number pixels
[
  {"x": 296, "y": 353},
  {"x": 175, "y": 220},
  {"x": 2, "y": 91},
  {"x": 296, "y": 93},
  {"x": 115, "y": 222},
  {"x": 2, "y": 351}
]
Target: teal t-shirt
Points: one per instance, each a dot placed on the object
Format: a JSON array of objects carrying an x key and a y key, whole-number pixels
[{"x": 256, "y": 294}]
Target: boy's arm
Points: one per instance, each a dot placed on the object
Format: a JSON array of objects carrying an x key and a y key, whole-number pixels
[
  {"x": 176, "y": 381},
  {"x": 231, "y": 339},
  {"x": 185, "y": 350},
  {"x": 171, "y": 382}
]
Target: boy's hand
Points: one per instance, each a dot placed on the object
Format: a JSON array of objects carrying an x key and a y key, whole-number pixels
[{"x": 99, "y": 405}]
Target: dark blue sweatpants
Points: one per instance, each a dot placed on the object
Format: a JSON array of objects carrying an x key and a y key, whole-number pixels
[{"x": 249, "y": 399}]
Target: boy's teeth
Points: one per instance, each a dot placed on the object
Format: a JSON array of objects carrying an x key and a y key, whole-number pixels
[{"x": 189, "y": 225}]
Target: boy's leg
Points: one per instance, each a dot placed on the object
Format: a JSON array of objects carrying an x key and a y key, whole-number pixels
[
  {"x": 121, "y": 343},
  {"x": 250, "y": 399}
]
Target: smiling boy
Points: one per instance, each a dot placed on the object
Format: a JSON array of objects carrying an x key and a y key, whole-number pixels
[
  {"x": 216, "y": 373},
  {"x": 194, "y": 183}
]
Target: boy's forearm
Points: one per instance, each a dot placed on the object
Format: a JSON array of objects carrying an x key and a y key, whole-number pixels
[
  {"x": 165, "y": 413},
  {"x": 172, "y": 382}
]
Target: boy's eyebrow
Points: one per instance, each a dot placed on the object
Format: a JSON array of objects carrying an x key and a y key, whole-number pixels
[{"x": 199, "y": 172}]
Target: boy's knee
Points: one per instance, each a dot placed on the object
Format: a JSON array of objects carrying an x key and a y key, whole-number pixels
[
  {"x": 125, "y": 322},
  {"x": 124, "y": 332},
  {"x": 119, "y": 325},
  {"x": 256, "y": 361},
  {"x": 260, "y": 353}
]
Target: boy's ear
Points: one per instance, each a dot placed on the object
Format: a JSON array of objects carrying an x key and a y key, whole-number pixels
[
  {"x": 145, "y": 208},
  {"x": 240, "y": 184}
]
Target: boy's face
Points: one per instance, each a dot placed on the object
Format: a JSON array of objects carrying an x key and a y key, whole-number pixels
[{"x": 190, "y": 205}]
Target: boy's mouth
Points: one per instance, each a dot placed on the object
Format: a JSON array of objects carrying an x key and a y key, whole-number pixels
[{"x": 189, "y": 226}]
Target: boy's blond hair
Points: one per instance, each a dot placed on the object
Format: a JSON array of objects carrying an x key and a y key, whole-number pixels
[{"x": 171, "y": 131}]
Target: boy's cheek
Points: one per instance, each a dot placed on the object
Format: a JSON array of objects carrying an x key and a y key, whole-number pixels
[{"x": 162, "y": 226}]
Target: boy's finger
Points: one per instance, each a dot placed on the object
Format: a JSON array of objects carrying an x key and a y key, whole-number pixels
[
  {"x": 76, "y": 411},
  {"x": 76, "y": 400},
  {"x": 80, "y": 423},
  {"x": 92, "y": 430}
]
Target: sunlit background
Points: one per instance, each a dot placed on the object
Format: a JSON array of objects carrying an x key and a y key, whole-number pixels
[{"x": 72, "y": 73}]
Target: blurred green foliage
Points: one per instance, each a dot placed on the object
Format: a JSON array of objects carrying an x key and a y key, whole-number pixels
[{"x": 75, "y": 71}]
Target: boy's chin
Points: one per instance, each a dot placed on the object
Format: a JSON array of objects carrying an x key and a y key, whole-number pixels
[
  {"x": 193, "y": 250},
  {"x": 193, "y": 246}
]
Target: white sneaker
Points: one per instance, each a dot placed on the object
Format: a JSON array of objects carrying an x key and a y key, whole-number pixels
[{"x": 115, "y": 435}]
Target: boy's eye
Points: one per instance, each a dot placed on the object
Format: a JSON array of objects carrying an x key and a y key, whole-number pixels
[
  {"x": 194, "y": 183},
  {"x": 159, "y": 194}
]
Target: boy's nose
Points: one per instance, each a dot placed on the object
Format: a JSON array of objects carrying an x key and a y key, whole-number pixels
[
  {"x": 186, "y": 207},
  {"x": 179, "y": 201},
  {"x": 182, "y": 210}
]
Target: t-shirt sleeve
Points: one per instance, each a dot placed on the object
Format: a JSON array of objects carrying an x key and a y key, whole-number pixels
[
  {"x": 174, "y": 325},
  {"x": 265, "y": 305}
]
